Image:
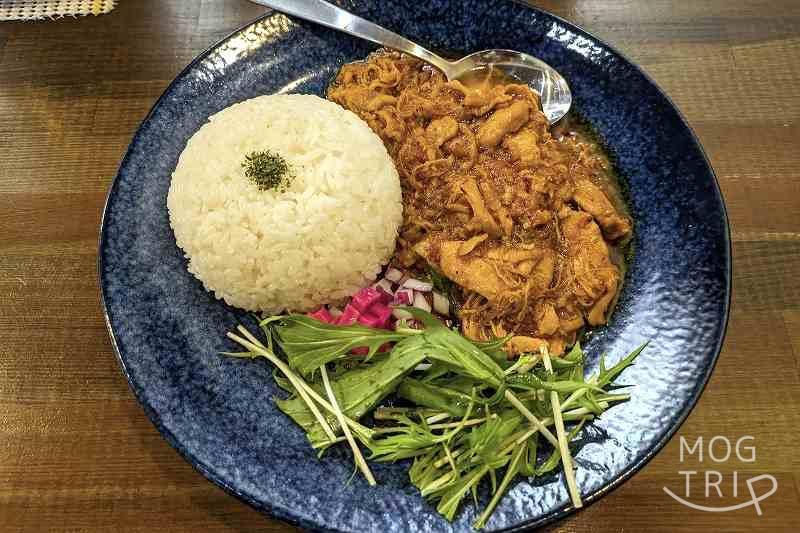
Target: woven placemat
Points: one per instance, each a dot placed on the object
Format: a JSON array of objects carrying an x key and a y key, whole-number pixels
[{"x": 52, "y": 9}]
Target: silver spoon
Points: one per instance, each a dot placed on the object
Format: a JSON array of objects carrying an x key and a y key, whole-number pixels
[{"x": 552, "y": 88}]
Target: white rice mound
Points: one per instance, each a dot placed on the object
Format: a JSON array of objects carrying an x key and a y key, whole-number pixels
[{"x": 323, "y": 239}]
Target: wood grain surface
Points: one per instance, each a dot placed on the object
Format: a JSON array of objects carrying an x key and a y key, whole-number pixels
[{"x": 77, "y": 452}]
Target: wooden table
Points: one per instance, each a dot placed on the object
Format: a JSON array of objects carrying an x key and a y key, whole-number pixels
[{"x": 76, "y": 451}]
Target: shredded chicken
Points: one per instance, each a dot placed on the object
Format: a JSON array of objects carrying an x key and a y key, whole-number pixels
[{"x": 524, "y": 221}]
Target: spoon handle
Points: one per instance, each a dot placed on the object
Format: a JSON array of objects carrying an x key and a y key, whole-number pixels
[{"x": 334, "y": 17}]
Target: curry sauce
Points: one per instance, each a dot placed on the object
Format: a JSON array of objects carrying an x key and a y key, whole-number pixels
[{"x": 524, "y": 218}]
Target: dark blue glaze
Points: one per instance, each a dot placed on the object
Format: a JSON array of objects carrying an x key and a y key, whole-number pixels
[{"x": 218, "y": 412}]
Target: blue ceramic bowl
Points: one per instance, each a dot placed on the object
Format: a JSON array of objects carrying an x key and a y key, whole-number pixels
[{"x": 218, "y": 412}]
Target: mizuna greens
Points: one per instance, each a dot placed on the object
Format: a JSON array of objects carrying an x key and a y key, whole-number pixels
[{"x": 471, "y": 415}]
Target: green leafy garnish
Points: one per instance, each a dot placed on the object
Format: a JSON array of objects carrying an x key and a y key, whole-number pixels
[
  {"x": 309, "y": 343},
  {"x": 440, "y": 283},
  {"x": 476, "y": 417},
  {"x": 436, "y": 397},
  {"x": 358, "y": 391}
]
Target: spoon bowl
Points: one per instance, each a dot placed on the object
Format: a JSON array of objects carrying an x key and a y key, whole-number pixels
[{"x": 552, "y": 88}]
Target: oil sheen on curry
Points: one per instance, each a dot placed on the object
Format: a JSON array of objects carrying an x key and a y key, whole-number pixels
[{"x": 526, "y": 219}]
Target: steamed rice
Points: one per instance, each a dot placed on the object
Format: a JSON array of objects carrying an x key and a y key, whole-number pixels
[{"x": 323, "y": 239}]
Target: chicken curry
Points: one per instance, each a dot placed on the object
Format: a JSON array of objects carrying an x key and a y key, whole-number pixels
[{"x": 526, "y": 219}]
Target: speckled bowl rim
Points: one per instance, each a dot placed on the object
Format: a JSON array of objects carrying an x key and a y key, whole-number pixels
[{"x": 286, "y": 514}]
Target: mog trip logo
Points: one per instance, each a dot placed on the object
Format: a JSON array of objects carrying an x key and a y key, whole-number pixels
[{"x": 702, "y": 487}]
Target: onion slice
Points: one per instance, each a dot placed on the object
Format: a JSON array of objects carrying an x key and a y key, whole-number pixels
[
  {"x": 404, "y": 297},
  {"x": 418, "y": 285},
  {"x": 421, "y": 303},
  {"x": 385, "y": 285},
  {"x": 393, "y": 275},
  {"x": 441, "y": 304}
]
